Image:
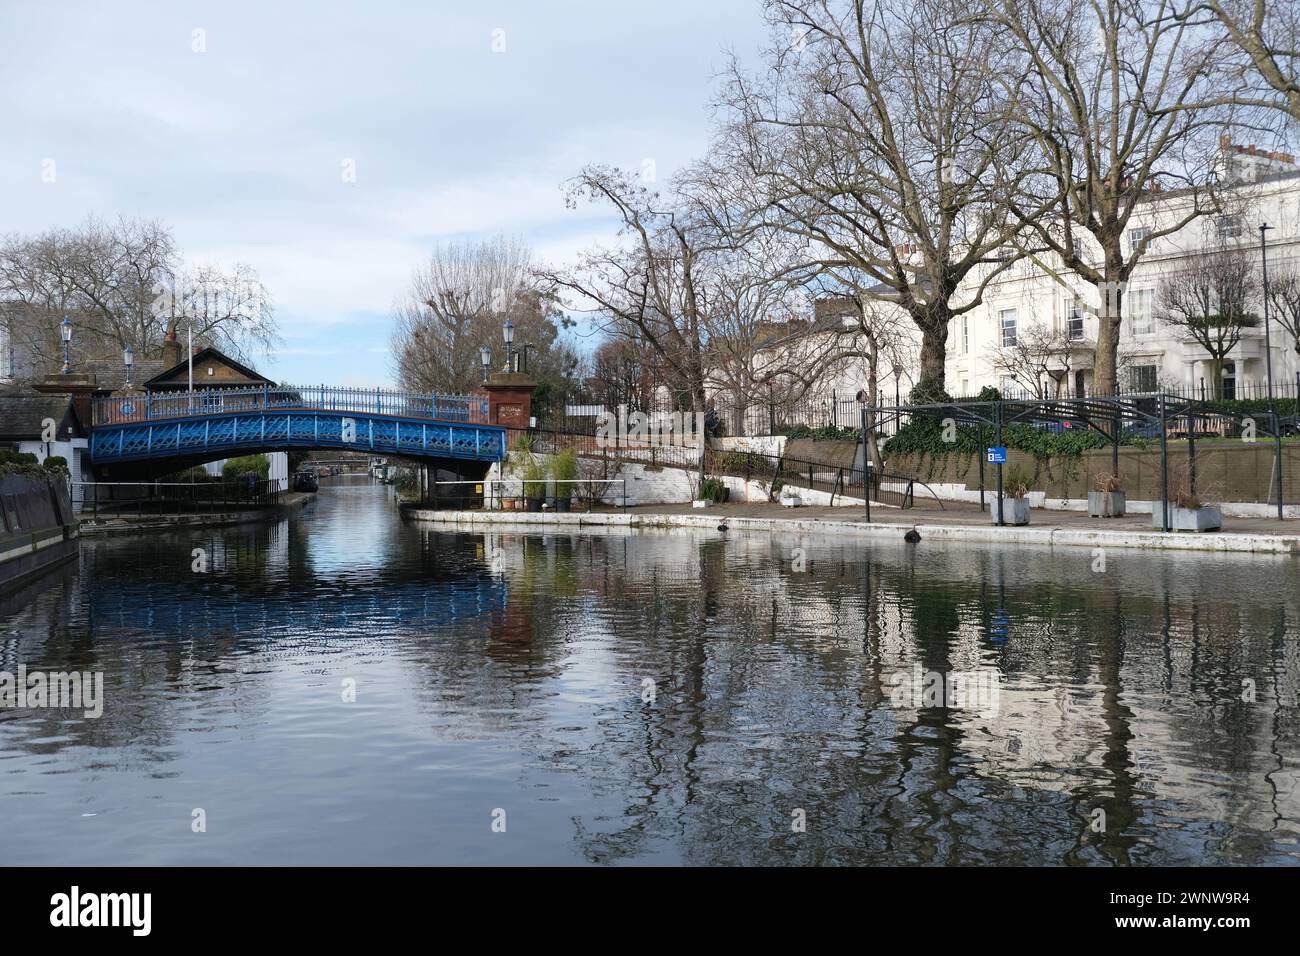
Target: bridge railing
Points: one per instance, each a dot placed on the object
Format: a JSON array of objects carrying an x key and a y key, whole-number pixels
[{"x": 120, "y": 409}]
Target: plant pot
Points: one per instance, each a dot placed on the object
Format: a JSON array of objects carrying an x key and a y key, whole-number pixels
[
  {"x": 1106, "y": 504},
  {"x": 509, "y": 504},
  {"x": 1205, "y": 518},
  {"x": 1014, "y": 510},
  {"x": 535, "y": 504},
  {"x": 562, "y": 505}
]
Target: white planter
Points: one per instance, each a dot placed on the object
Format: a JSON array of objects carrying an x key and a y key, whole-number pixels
[
  {"x": 1014, "y": 510},
  {"x": 1205, "y": 518},
  {"x": 701, "y": 503},
  {"x": 1100, "y": 507},
  {"x": 791, "y": 501}
]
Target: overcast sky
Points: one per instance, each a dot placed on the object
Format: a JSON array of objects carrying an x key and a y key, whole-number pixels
[{"x": 241, "y": 148}]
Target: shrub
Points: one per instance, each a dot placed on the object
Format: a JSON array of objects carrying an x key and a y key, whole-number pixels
[
  {"x": 534, "y": 479},
  {"x": 237, "y": 468},
  {"x": 824, "y": 433},
  {"x": 564, "y": 466},
  {"x": 713, "y": 489}
]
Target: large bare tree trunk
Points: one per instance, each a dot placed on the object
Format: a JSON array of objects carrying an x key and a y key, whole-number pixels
[
  {"x": 934, "y": 353},
  {"x": 1105, "y": 366}
]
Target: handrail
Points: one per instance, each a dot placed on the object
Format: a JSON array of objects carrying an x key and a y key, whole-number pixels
[{"x": 151, "y": 406}]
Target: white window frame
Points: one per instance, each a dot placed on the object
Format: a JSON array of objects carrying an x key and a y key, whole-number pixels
[
  {"x": 1147, "y": 297},
  {"x": 1155, "y": 377},
  {"x": 1229, "y": 226},
  {"x": 6, "y": 356},
  {"x": 1074, "y": 312},
  {"x": 1136, "y": 235},
  {"x": 1002, "y": 326}
]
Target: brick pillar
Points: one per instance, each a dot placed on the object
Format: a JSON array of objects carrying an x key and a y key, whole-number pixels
[{"x": 510, "y": 402}]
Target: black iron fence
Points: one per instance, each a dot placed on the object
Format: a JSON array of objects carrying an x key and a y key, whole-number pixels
[{"x": 157, "y": 497}]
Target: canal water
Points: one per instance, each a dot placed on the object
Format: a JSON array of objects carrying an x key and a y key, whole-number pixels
[{"x": 344, "y": 687}]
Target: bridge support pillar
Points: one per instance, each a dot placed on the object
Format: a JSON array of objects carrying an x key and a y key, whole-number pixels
[{"x": 510, "y": 402}]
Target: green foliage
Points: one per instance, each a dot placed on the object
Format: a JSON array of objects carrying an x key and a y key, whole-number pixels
[
  {"x": 237, "y": 468},
  {"x": 1255, "y": 407},
  {"x": 1015, "y": 482},
  {"x": 923, "y": 435},
  {"x": 25, "y": 463},
  {"x": 534, "y": 479},
  {"x": 713, "y": 489},
  {"x": 824, "y": 433},
  {"x": 564, "y": 466}
]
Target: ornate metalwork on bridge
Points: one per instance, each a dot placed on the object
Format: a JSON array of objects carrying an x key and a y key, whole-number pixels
[{"x": 276, "y": 420}]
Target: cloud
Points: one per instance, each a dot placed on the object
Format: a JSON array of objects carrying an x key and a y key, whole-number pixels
[{"x": 240, "y": 146}]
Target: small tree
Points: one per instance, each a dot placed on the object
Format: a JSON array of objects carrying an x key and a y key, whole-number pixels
[
  {"x": 1284, "y": 302},
  {"x": 1210, "y": 298},
  {"x": 1038, "y": 361}
]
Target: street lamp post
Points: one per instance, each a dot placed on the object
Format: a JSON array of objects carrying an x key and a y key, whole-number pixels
[
  {"x": 128, "y": 359},
  {"x": 508, "y": 331},
  {"x": 1268, "y": 365},
  {"x": 485, "y": 354},
  {"x": 65, "y": 330}
]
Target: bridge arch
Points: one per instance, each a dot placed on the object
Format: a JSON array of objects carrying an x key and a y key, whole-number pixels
[{"x": 160, "y": 439}]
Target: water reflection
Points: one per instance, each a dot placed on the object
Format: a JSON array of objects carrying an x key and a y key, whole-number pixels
[{"x": 512, "y": 670}]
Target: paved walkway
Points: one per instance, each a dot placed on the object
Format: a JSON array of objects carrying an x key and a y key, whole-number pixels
[
  {"x": 958, "y": 522},
  {"x": 963, "y": 514}
]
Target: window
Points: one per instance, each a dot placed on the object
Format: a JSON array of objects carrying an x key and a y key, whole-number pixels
[
  {"x": 1008, "y": 319},
  {"x": 6, "y": 356},
  {"x": 1143, "y": 378},
  {"x": 1139, "y": 310},
  {"x": 1228, "y": 227},
  {"x": 1073, "y": 319},
  {"x": 1138, "y": 237},
  {"x": 965, "y": 335}
]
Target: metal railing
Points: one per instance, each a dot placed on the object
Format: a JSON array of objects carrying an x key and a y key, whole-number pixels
[
  {"x": 490, "y": 492},
  {"x": 169, "y": 497},
  {"x": 119, "y": 409}
]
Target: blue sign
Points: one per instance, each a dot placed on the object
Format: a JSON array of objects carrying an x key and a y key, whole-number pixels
[{"x": 997, "y": 456}]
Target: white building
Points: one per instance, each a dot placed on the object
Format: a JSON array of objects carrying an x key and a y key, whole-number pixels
[
  {"x": 1153, "y": 355},
  {"x": 1028, "y": 299}
]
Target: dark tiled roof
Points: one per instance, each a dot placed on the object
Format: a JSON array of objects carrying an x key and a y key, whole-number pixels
[
  {"x": 208, "y": 354},
  {"x": 23, "y": 412},
  {"x": 111, "y": 373}
]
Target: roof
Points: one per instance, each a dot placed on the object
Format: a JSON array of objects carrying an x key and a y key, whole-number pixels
[
  {"x": 111, "y": 373},
  {"x": 208, "y": 354},
  {"x": 23, "y": 412}
]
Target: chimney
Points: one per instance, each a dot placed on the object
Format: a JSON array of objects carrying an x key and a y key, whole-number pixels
[{"x": 171, "y": 350}]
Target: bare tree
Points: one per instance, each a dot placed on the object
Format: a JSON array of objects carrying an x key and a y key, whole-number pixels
[
  {"x": 1126, "y": 105},
  {"x": 879, "y": 138},
  {"x": 459, "y": 302},
  {"x": 125, "y": 284},
  {"x": 1039, "y": 361},
  {"x": 651, "y": 286},
  {"x": 1284, "y": 302},
  {"x": 1210, "y": 298},
  {"x": 1267, "y": 34}
]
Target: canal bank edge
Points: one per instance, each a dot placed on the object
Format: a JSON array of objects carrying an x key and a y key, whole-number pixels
[
  {"x": 91, "y": 527},
  {"x": 1051, "y": 537}
]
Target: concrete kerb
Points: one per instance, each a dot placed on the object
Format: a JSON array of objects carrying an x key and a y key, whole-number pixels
[{"x": 1051, "y": 537}]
